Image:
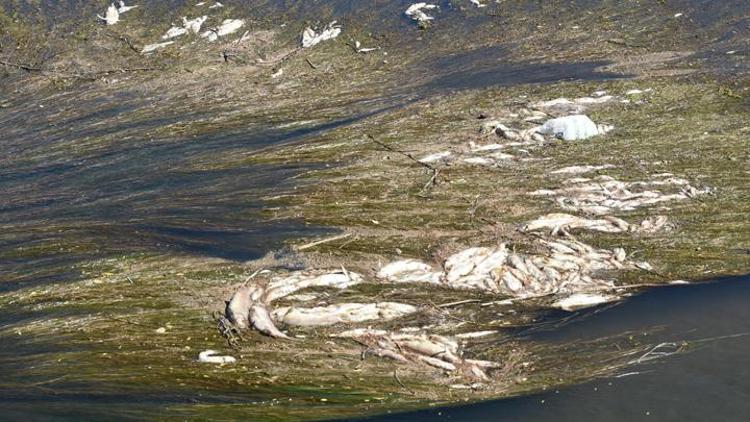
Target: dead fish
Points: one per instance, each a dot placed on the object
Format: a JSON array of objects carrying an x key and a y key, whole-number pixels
[
  {"x": 437, "y": 363},
  {"x": 261, "y": 320},
  {"x": 238, "y": 308},
  {"x": 385, "y": 353}
]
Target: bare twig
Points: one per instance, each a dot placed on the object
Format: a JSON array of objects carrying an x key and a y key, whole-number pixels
[
  {"x": 320, "y": 242},
  {"x": 22, "y": 66},
  {"x": 311, "y": 63},
  {"x": 398, "y": 380},
  {"x": 460, "y": 302},
  {"x": 433, "y": 180},
  {"x": 124, "y": 39},
  {"x": 405, "y": 154},
  {"x": 435, "y": 170}
]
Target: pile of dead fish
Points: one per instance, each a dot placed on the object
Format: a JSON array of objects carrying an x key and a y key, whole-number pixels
[
  {"x": 565, "y": 224},
  {"x": 434, "y": 350},
  {"x": 604, "y": 195},
  {"x": 249, "y": 307},
  {"x": 565, "y": 266}
]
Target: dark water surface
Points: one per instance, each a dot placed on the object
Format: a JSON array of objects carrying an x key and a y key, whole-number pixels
[{"x": 708, "y": 381}]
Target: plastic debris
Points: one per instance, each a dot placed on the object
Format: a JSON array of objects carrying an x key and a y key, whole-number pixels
[
  {"x": 310, "y": 37},
  {"x": 572, "y": 128},
  {"x": 209, "y": 356},
  {"x": 112, "y": 16}
]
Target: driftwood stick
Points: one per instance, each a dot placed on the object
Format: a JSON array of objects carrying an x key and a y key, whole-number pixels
[
  {"x": 435, "y": 170},
  {"x": 124, "y": 39},
  {"x": 320, "y": 242},
  {"x": 460, "y": 302},
  {"x": 22, "y": 66}
]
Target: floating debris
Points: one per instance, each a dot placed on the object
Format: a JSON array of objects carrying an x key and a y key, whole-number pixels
[
  {"x": 477, "y": 3},
  {"x": 112, "y": 16},
  {"x": 572, "y": 128},
  {"x": 209, "y": 356},
  {"x": 416, "y": 12},
  {"x": 310, "y": 37},
  {"x": 227, "y": 27}
]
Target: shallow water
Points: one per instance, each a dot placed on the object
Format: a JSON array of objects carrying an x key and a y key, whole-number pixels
[
  {"x": 78, "y": 169},
  {"x": 709, "y": 380}
]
